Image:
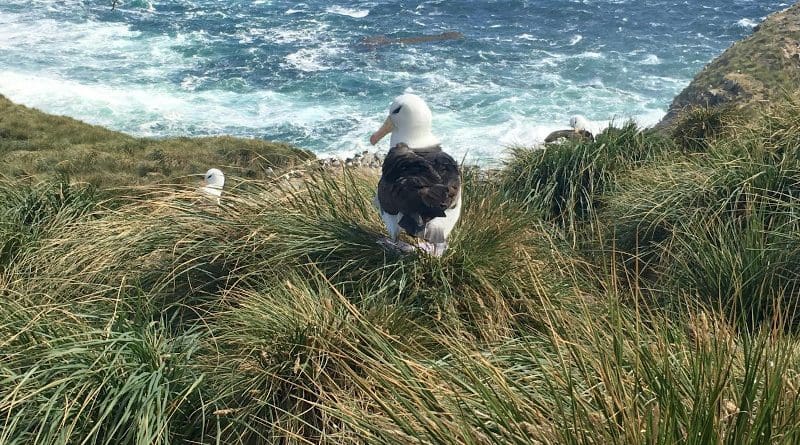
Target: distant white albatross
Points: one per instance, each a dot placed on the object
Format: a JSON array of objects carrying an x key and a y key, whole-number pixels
[
  {"x": 579, "y": 131},
  {"x": 213, "y": 182},
  {"x": 420, "y": 186}
]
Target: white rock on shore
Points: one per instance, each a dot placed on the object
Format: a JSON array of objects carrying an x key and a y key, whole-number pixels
[{"x": 365, "y": 159}]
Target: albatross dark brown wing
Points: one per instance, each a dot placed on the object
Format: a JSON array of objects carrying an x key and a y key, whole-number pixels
[
  {"x": 580, "y": 135},
  {"x": 419, "y": 183}
]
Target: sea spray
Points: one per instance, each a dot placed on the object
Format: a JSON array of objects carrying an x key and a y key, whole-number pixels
[{"x": 297, "y": 72}]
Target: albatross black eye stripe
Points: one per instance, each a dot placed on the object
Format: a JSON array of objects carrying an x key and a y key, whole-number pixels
[{"x": 397, "y": 110}]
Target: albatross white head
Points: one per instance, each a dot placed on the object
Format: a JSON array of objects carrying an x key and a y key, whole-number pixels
[
  {"x": 409, "y": 121},
  {"x": 578, "y": 123},
  {"x": 213, "y": 182}
]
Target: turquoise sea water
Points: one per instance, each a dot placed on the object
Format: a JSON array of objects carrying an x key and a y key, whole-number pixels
[{"x": 299, "y": 72}]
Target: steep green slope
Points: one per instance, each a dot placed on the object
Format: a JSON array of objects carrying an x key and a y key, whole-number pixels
[
  {"x": 33, "y": 143},
  {"x": 755, "y": 70}
]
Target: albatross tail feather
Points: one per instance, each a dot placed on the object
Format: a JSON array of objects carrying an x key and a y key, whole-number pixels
[
  {"x": 412, "y": 224},
  {"x": 434, "y": 233},
  {"x": 392, "y": 224},
  {"x": 438, "y": 229}
]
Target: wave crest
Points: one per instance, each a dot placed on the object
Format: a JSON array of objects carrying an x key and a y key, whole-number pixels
[{"x": 349, "y": 12}]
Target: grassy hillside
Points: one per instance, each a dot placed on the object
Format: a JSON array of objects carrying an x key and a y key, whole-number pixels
[
  {"x": 37, "y": 144},
  {"x": 635, "y": 289},
  {"x": 763, "y": 67}
]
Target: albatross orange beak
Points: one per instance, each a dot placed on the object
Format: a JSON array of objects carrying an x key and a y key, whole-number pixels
[{"x": 385, "y": 129}]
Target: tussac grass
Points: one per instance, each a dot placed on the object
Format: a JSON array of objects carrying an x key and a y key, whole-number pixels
[
  {"x": 630, "y": 290},
  {"x": 36, "y": 144},
  {"x": 565, "y": 182}
]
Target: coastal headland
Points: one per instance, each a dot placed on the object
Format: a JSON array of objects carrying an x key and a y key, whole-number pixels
[{"x": 641, "y": 286}]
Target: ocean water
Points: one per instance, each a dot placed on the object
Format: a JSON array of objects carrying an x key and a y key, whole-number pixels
[{"x": 300, "y": 72}]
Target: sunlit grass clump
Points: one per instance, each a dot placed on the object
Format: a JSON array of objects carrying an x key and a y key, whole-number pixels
[
  {"x": 35, "y": 144},
  {"x": 720, "y": 226},
  {"x": 274, "y": 292},
  {"x": 627, "y": 290},
  {"x": 565, "y": 182},
  {"x": 29, "y": 212}
]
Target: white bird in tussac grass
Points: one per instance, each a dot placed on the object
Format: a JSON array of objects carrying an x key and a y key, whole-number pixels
[
  {"x": 213, "y": 182},
  {"x": 420, "y": 186},
  {"x": 579, "y": 131},
  {"x": 578, "y": 123}
]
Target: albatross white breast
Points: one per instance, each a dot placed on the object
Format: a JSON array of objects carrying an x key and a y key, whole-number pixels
[
  {"x": 578, "y": 123},
  {"x": 420, "y": 186}
]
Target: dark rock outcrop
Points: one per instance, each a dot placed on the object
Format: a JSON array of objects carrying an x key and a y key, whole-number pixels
[{"x": 376, "y": 41}]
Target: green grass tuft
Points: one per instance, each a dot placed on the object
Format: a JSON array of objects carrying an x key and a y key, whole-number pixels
[
  {"x": 698, "y": 127},
  {"x": 565, "y": 183},
  {"x": 628, "y": 290},
  {"x": 35, "y": 144}
]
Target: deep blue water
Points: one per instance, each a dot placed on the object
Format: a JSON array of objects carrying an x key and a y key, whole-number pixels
[{"x": 298, "y": 72}]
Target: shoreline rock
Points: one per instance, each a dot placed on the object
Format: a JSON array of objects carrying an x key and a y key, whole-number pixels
[{"x": 364, "y": 159}]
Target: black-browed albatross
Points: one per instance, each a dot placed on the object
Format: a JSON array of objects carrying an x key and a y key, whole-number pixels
[
  {"x": 420, "y": 186},
  {"x": 578, "y": 132},
  {"x": 213, "y": 182}
]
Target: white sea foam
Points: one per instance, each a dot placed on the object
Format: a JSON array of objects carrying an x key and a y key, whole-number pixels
[
  {"x": 160, "y": 82},
  {"x": 96, "y": 47},
  {"x": 523, "y": 132},
  {"x": 306, "y": 59},
  {"x": 22, "y": 34},
  {"x": 747, "y": 23},
  {"x": 310, "y": 31},
  {"x": 349, "y": 12},
  {"x": 155, "y": 111},
  {"x": 191, "y": 82},
  {"x": 651, "y": 59},
  {"x": 662, "y": 83},
  {"x": 95, "y": 103},
  {"x": 649, "y": 117},
  {"x": 158, "y": 112},
  {"x": 591, "y": 55},
  {"x": 552, "y": 60},
  {"x": 311, "y": 59}
]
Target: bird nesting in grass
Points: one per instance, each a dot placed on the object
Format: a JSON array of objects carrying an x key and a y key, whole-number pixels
[
  {"x": 578, "y": 133},
  {"x": 213, "y": 181},
  {"x": 420, "y": 186}
]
